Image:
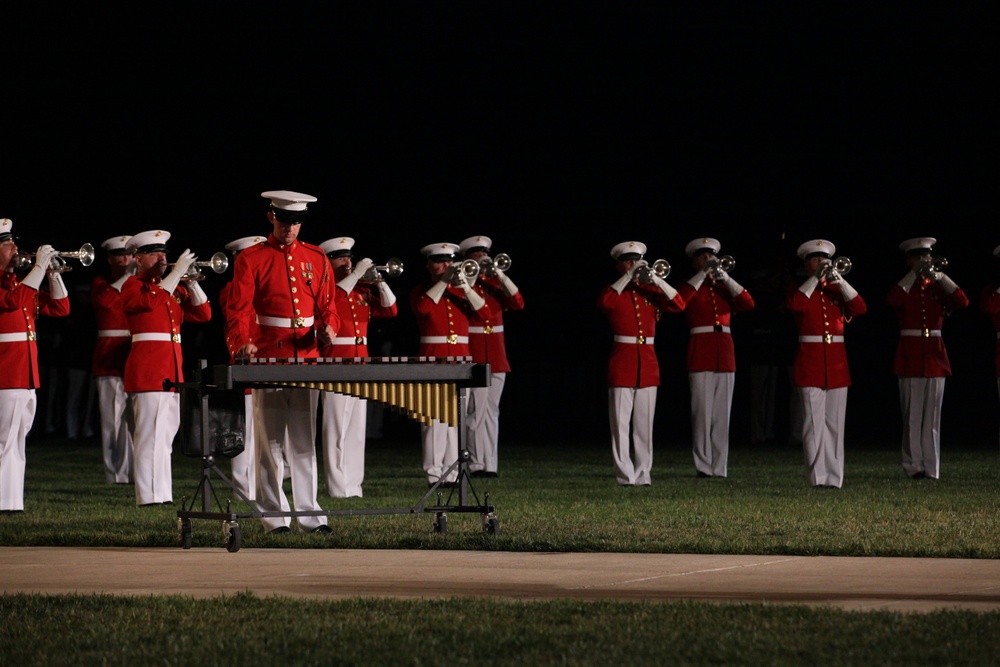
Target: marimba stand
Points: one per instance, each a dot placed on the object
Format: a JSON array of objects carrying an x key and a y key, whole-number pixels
[{"x": 227, "y": 378}]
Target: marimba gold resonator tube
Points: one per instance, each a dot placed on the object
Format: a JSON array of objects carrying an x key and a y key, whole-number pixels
[{"x": 423, "y": 401}]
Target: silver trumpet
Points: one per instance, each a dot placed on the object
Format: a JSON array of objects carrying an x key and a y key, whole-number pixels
[
  {"x": 470, "y": 268},
  {"x": 490, "y": 265},
  {"x": 219, "y": 263},
  {"x": 645, "y": 273},
  {"x": 718, "y": 265},
  {"x": 841, "y": 265},
  {"x": 85, "y": 254},
  {"x": 393, "y": 267},
  {"x": 931, "y": 266}
]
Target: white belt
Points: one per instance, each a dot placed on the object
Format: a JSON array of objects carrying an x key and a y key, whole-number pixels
[
  {"x": 112, "y": 333},
  {"x": 359, "y": 340},
  {"x": 718, "y": 328},
  {"x": 17, "y": 337},
  {"x": 925, "y": 333},
  {"x": 438, "y": 340},
  {"x": 821, "y": 339},
  {"x": 285, "y": 322},
  {"x": 486, "y": 330},
  {"x": 158, "y": 337},
  {"x": 634, "y": 340}
]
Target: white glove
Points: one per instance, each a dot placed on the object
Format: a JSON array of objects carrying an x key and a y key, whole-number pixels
[
  {"x": 734, "y": 287},
  {"x": 118, "y": 284},
  {"x": 833, "y": 277},
  {"x": 906, "y": 282},
  {"x": 351, "y": 279},
  {"x": 57, "y": 288},
  {"x": 846, "y": 289},
  {"x": 472, "y": 296},
  {"x": 43, "y": 257},
  {"x": 437, "y": 290},
  {"x": 198, "y": 295},
  {"x": 947, "y": 284},
  {"x": 809, "y": 286},
  {"x": 620, "y": 284},
  {"x": 664, "y": 287},
  {"x": 507, "y": 283},
  {"x": 181, "y": 266},
  {"x": 697, "y": 279},
  {"x": 459, "y": 279},
  {"x": 387, "y": 298}
]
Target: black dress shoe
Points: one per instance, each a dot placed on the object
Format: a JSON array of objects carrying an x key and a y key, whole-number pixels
[
  {"x": 322, "y": 530},
  {"x": 702, "y": 474},
  {"x": 919, "y": 475},
  {"x": 491, "y": 473},
  {"x": 479, "y": 473},
  {"x": 280, "y": 530}
]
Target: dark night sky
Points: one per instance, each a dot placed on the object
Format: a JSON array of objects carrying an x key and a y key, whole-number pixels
[{"x": 558, "y": 132}]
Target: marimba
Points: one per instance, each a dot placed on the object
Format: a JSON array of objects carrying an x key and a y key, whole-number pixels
[{"x": 423, "y": 388}]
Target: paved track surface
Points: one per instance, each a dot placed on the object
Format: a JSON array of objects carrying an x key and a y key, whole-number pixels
[{"x": 896, "y": 584}]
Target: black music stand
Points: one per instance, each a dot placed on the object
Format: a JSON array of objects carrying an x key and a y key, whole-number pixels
[{"x": 209, "y": 381}]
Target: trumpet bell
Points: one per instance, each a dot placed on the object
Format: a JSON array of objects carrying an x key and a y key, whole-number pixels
[
  {"x": 219, "y": 262},
  {"x": 842, "y": 265},
  {"x": 393, "y": 267}
]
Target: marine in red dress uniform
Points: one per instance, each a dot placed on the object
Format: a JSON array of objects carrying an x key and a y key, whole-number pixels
[
  {"x": 156, "y": 305},
  {"x": 108, "y": 368},
  {"x": 362, "y": 294},
  {"x": 443, "y": 311},
  {"x": 487, "y": 345},
  {"x": 286, "y": 287},
  {"x": 710, "y": 297},
  {"x": 922, "y": 299},
  {"x": 21, "y": 301},
  {"x": 633, "y": 305},
  {"x": 821, "y": 306},
  {"x": 243, "y": 465}
]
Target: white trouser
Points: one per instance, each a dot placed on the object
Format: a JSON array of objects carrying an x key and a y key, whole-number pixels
[
  {"x": 244, "y": 466},
  {"x": 482, "y": 424},
  {"x": 823, "y": 412},
  {"x": 157, "y": 416},
  {"x": 345, "y": 421},
  {"x": 920, "y": 400},
  {"x": 17, "y": 412},
  {"x": 711, "y": 401},
  {"x": 116, "y": 429},
  {"x": 285, "y": 433},
  {"x": 632, "y": 410},
  {"x": 440, "y": 445}
]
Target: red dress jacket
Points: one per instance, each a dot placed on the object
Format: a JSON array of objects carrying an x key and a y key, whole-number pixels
[
  {"x": 633, "y": 314},
  {"x": 355, "y": 311},
  {"x": 447, "y": 319},
  {"x": 989, "y": 302},
  {"x": 111, "y": 349},
  {"x": 19, "y": 306},
  {"x": 923, "y": 309},
  {"x": 490, "y": 346},
  {"x": 291, "y": 283},
  {"x": 823, "y": 314},
  {"x": 151, "y": 309},
  {"x": 711, "y": 305}
]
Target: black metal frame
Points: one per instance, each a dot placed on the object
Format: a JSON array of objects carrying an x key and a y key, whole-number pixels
[{"x": 232, "y": 378}]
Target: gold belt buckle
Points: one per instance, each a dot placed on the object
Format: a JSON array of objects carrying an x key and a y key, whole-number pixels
[
  {"x": 452, "y": 339},
  {"x": 827, "y": 338},
  {"x": 176, "y": 338},
  {"x": 641, "y": 340},
  {"x": 31, "y": 335},
  {"x": 927, "y": 332},
  {"x": 487, "y": 329},
  {"x": 359, "y": 340},
  {"x": 298, "y": 322}
]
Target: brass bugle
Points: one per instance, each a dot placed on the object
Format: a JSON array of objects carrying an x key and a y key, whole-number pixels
[
  {"x": 645, "y": 273},
  {"x": 932, "y": 265},
  {"x": 58, "y": 264},
  {"x": 490, "y": 265},
  {"x": 219, "y": 263},
  {"x": 841, "y": 265},
  {"x": 393, "y": 267},
  {"x": 717, "y": 265},
  {"x": 470, "y": 268}
]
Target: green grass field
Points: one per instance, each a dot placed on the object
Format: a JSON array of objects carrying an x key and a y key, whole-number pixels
[{"x": 551, "y": 497}]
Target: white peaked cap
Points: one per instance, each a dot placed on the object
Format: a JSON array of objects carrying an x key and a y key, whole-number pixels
[
  {"x": 816, "y": 245},
  {"x": 288, "y": 200},
  {"x": 439, "y": 249},
  {"x": 115, "y": 243},
  {"x": 698, "y": 244},
  {"x": 628, "y": 248},
  {"x": 337, "y": 244},
  {"x": 244, "y": 243},
  {"x": 143, "y": 239},
  {"x": 919, "y": 243},
  {"x": 475, "y": 242}
]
